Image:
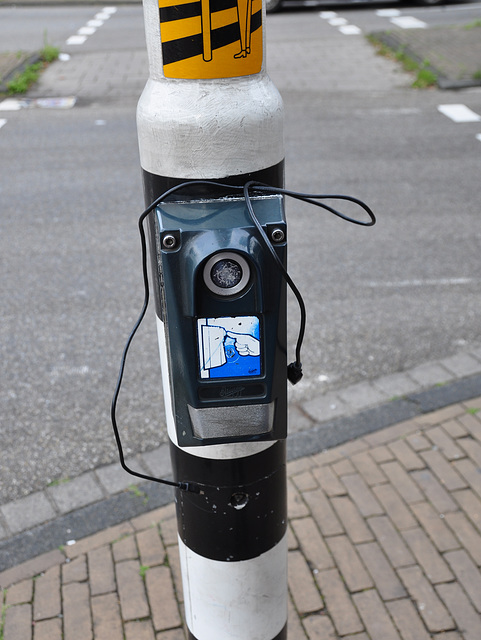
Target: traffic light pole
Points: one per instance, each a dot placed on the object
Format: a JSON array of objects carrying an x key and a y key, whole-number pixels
[{"x": 210, "y": 112}]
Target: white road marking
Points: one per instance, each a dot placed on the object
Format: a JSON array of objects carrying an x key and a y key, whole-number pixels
[
  {"x": 408, "y": 22},
  {"x": 350, "y": 30},
  {"x": 336, "y": 21},
  {"x": 459, "y": 113},
  {"x": 420, "y": 283},
  {"x": 3, "y": 122},
  {"x": 388, "y": 13},
  {"x": 76, "y": 40},
  {"x": 91, "y": 27}
]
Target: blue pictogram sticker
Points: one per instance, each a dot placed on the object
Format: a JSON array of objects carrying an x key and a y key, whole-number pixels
[{"x": 229, "y": 347}]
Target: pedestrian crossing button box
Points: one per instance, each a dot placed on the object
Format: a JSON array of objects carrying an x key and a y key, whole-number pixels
[{"x": 221, "y": 299}]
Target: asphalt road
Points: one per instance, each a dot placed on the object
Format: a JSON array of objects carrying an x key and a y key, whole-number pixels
[{"x": 379, "y": 300}]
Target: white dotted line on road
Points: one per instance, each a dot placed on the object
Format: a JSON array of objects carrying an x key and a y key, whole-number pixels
[
  {"x": 403, "y": 22},
  {"x": 92, "y": 25},
  {"x": 341, "y": 23}
]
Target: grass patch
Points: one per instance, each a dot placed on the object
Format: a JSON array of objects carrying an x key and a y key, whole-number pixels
[
  {"x": 424, "y": 76},
  {"x": 473, "y": 25},
  {"x": 23, "y": 80}
]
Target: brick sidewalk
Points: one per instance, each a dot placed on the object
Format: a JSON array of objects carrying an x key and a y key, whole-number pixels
[{"x": 385, "y": 544}]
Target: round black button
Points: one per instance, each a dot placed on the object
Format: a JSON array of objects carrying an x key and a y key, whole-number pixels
[{"x": 226, "y": 273}]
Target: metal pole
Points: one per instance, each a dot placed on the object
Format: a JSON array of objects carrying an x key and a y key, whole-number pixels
[{"x": 218, "y": 117}]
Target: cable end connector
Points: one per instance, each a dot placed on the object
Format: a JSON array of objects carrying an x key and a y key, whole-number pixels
[
  {"x": 191, "y": 487},
  {"x": 294, "y": 372}
]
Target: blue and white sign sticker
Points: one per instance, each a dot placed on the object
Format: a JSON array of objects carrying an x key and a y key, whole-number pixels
[{"x": 229, "y": 347}]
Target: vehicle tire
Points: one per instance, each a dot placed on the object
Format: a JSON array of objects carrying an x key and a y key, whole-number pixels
[{"x": 273, "y": 5}]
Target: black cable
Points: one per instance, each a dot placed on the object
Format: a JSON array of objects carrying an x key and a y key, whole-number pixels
[{"x": 295, "y": 368}]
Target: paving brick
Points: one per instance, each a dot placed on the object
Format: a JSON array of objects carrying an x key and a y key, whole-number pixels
[
  {"x": 319, "y": 627},
  {"x": 327, "y": 456},
  {"x": 139, "y": 630},
  {"x": 472, "y": 448},
  {"x": 338, "y": 603},
  {"x": 352, "y": 570},
  {"x": 295, "y": 630},
  {"x": 434, "y": 491},
  {"x": 445, "y": 443},
  {"x": 466, "y": 534},
  {"x": 470, "y": 473},
  {"x": 106, "y": 617},
  {"x": 394, "y": 506},
  {"x": 427, "y": 556},
  {"x": 343, "y": 467},
  {"x": 455, "y": 428},
  {"x": 31, "y": 568},
  {"x": 418, "y": 442},
  {"x": 389, "y": 434},
  {"x": 407, "y": 620},
  {"x": 75, "y": 570},
  {"x": 47, "y": 602},
  {"x": 351, "y": 519},
  {"x": 76, "y": 493},
  {"x": 173, "y": 561},
  {"x": 18, "y": 623},
  {"x": 328, "y": 481},
  {"x": 375, "y": 617},
  {"x": 443, "y": 470},
  {"x": 435, "y": 615},
  {"x": 435, "y": 526},
  {"x": 305, "y": 481},
  {"x": 467, "y": 574},
  {"x": 362, "y": 495},
  {"x": 406, "y": 456},
  {"x": 381, "y": 454},
  {"x": 125, "y": 549},
  {"x": 349, "y": 449},
  {"x": 471, "y": 423},
  {"x": 101, "y": 571},
  {"x": 178, "y": 634},
  {"x": 368, "y": 468},
  {"x": 27, "y": 512},
  {"x": 385, "y": 579},
  {"x": 312, "y": 544},
  {"x": 161, "y": 595},
  {"x": 152, "y": 518},
  {"x": 391, "y": 542},
  {"x": 151, "y": 547},
  {"x": 296, "y": 507},
  {"x": 48, "y": 630},
  {"x": 400, "y": 479},
  {"x": 304, "y": 592},
  {"x": 323, "y": 512},
  {"x": 19, "y": 593},
  {"x": 98, "y": 539},
  {"x": 442, "y": 415},
  {"x": 467, "y": 619},
  {"x": 470, "y": 504},
  {"x": 133, "y": 601},
  {"x": 77, "y": 619},
  {"x": 292, "y": 542}
]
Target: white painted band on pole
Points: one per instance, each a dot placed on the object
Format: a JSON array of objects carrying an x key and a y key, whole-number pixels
[
  {"x": 210, "y": 128},
  {"x": 236, "y": 600}
]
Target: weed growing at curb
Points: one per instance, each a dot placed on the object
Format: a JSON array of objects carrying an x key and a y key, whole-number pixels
[
  {"x": 425, "y": 77},
  {"x": 23, "y": 81}
]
